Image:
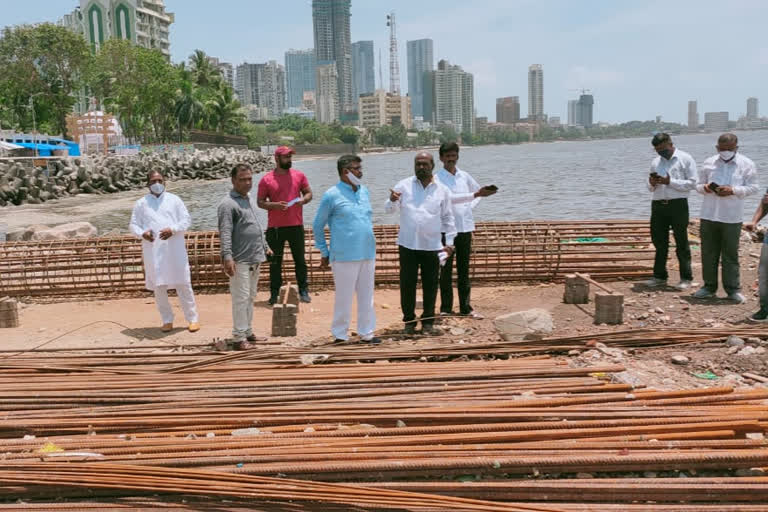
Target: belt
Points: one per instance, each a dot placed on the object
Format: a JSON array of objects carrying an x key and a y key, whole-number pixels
[{"x": 667, "y": 201}]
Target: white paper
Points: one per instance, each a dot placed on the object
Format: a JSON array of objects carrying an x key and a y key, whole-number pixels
[
  {"x": 443, "y": 257},
  {"x": 293, "y": 201}
]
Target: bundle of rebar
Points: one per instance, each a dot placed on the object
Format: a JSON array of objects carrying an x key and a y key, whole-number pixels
[
  {"x": 507, "y": 435},
  {"x": 502, "y": 253}
]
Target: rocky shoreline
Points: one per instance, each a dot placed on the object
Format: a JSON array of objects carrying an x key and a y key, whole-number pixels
[{"x": 22, "y": 183}]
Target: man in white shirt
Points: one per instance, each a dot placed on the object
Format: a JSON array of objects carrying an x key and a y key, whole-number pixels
[
  {"x": 725, "y": 180},
  {"x": 465, "y": 194},
  {"x": 160, "y": 220},
  {"x": 673, "y": 176},
  {"x": 425, "y": 213}
]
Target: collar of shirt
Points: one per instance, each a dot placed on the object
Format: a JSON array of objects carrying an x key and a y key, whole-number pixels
[
  {"x": 236, "y": 195},
  {"x": 430, "y": 184}
]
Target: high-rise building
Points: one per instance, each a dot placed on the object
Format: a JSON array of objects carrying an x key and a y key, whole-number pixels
[
  {"x": 299, "y": 75},
  {"x": 262, "y": 85},
  {"x": 508, "y": 109},
  {"x": 363, "y": 64},
  {"x": 693, "y": 115},
  {"x": 573, "y": 112},
  {"x": 421, "y": 61},
  {"x": 143, "y": 22},
  {"x": 330, "y": 19},
  {"x": 535, "y": 93},
  {"x": 327, "y": 92},
  {"x": 225, "y": 69},
  {"x": 381, "y": 108},
  {"x": 584, "y": 110},
  {"x": 453, "y": 97},
  {"x": 752, "y": 109},
  {"x": 716, "y": 121}
]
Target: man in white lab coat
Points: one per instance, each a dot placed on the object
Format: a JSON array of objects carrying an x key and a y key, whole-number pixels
[{"x": 160, "y": 220}]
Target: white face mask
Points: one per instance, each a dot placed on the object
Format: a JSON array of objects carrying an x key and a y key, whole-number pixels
[
  {"x": 727, "y": 155},
  {"x": 354, "y": 179},
  {"x": 157, "y": 188}
]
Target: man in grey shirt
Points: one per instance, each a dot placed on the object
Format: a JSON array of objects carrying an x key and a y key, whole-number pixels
[{"x": 243, "y": 249}]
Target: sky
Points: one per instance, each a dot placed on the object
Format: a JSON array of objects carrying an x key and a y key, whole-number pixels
[{"x": 639, "y": 59}]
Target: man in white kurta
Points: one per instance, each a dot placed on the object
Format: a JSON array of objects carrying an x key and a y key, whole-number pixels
[{"x": 160, "y": 219}]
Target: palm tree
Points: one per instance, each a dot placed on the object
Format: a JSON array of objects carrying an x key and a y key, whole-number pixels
[
  {"x": 189, "y": 108},
  {"x": 223, "y": 111},
  {"x": 204, "y": 73}
]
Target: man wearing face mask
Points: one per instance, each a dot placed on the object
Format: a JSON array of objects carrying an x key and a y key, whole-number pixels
[
  {"x": 346, "y": 209},
  {"x": 673, "y": 175},
  {"x": 426, "y": 213},
  {"x": 725, "y": 180},
  {"x": 160, "y": 219},
  {"x": 283, "y": 192},
  {"x": 465, "y": 194}
]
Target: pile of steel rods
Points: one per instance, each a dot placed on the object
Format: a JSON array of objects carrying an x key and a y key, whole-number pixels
[
  {"x": 502, "y": 252},
  {"x": 516, "y": 433}
]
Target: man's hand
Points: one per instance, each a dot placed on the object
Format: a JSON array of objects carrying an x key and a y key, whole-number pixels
[
  {"x": 148, "y": 235},
  {"x": 269, "y": 252},
  {"x": 663, "y": 180},
  {"x": 449, "y": 250},
  {"x": 724, "y": 190},
  {"x": 166, "y": 233},
  {"x": 325, "y": 263},
  {"x": 485, "y": 192},
  {"x": 394, "y": 196},
  {"x": 229, "y": 267},
  {"x": 707, "y": 189},
  {"x": 282, "y": 205},
  {"x": 765, "y": 199},
  {"x": 749, "y": 226},
  {"x": 653, "y": 180}
]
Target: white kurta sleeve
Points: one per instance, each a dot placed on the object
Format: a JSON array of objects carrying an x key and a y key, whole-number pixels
[
  {"x": 137, "y": 220},
  {"x": 183, "y": 220}
]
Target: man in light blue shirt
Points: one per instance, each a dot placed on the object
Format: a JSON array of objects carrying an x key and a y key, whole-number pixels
[{"x": 346, "y": 209}]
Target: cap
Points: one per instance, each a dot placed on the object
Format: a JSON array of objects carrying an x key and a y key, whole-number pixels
[{"x": 284, "y": 150}]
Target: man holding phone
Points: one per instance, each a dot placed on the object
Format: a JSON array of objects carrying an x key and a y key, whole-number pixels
[
  {"x": 673, "y": 175},
  {"x": 465, "y": 194}
]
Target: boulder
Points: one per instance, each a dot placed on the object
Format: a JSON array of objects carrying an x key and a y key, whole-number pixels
[
  {"x": 530, "y": 324},
  {"x": 64, "y": 231}
]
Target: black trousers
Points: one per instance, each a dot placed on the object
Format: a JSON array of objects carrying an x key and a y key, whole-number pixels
[
  {"x": 463, "y": 245},
  {"x": 672, "y": 213},
  {"x": 276, "y": 238},
  {"x": 410, "y": 263}
]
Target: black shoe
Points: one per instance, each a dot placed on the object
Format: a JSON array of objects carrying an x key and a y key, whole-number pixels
[
  {"x": 304, "y": 296},
  {"x": 760, "y": 316},
  {"x": 373, "y": 341},
  {"x": 339, "y": 340},
  {"x": 273, "y": 298},
  {"x": 430, "y": 330},
  {"x": 410, "y": 329}
]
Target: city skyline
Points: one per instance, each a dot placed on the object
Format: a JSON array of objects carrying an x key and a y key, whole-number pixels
[{"x": 608, "y": 48}]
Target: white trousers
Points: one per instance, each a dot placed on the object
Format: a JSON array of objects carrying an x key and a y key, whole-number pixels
[
  {"x": 353, "y": 278},
  {"x": 186, "y": 299},
  {"x": 242, "y": 288}
]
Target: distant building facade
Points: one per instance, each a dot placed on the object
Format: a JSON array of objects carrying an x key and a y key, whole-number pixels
[
  {"x": 421, "y": 61},
  {"x": 753, "y": 111},
  {"x": 693, "y": 115},
  {"x": 363, "y": 65},
  {"x": 226, "y": 70},
  {"x": 326, "y": 92},
  {"x": 299, "y": 75},
  {"x": 584, "y": 110},
  {"x": 143, "y": 22},
  {"x": 262, "y": 85},
  {"x": 381, "y": 108},
  {"x": 330, "y": 19},
  {"x": 572, "y": 109},
  {"x": 535, "y": 92},
  {"x": 508, "y": 109},
  {"x": 452, "y": 96},
  {"x": 716, "y": 121}
]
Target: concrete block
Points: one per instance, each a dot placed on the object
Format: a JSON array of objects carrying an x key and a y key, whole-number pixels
[
  {"x": 576, "y": 290},
  {"x": 609, "y": 308}
]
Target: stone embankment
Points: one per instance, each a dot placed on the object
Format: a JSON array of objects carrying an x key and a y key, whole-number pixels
[{"x": 22, "y": 183}]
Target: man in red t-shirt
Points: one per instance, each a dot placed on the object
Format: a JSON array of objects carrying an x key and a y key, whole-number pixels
[{"x": 283, "y": 192}]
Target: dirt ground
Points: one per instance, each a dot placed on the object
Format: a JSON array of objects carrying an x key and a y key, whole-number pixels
[{"x": 135, "y": 323}]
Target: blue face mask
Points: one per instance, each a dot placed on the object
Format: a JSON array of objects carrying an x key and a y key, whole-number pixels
[
  {"x": 354, "y": 179},
  {"x": 157, "y": 188}
]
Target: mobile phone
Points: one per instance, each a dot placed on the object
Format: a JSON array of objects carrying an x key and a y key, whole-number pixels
[
  {"x": 713, "y": 186},
  {"x": 492, "y": 187},
  {"x": 654, "y": 174}
]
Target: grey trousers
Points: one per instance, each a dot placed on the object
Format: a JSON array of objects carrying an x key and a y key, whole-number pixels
[
  {"x": 720, "y": 242},
  {"x": 762, "y": 277}
]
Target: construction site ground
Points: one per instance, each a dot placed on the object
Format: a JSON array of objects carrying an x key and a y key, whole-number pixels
[{"x": 134, "y": 323}]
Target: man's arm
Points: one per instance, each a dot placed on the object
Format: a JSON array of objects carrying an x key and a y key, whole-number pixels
[
  {"x": 318, "y": 226},
  {"x": 225, "y": 214},
  {"x": 184, "y": 219},
  {"x": 702, "y": 186},
  {"x": 306, "y": 191},
  {"x": 762, "y": 209},
  {"x": 751, "y": 186},
  {"x": 691, "y": 177},
  {"x": 263, "y": 198},
  {"x": 136, "y": 224},
  {"x": 447, "y": 221},
  {"x": 393, "y": 201}
]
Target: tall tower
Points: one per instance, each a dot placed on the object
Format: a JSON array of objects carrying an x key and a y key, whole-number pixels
[
  {"x": 752, "y": 109},
  {"x": 535, "y": 93},
  {"x": 421, "y": 60},
  {"x": 693, "y": 115},
  {"x": 394, "y": 65},
  {"x": 452, "y": 97},
  {"x": 363, "y": 75},
  {"x": 331, "y": 24},
  {"x": 299, "y": 75}
]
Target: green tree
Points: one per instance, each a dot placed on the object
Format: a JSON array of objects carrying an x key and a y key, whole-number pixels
[
  {"x": 447, "y": 133},
  {"x": 42, "y": 68},
  {"x": 393, "y": 136}
]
